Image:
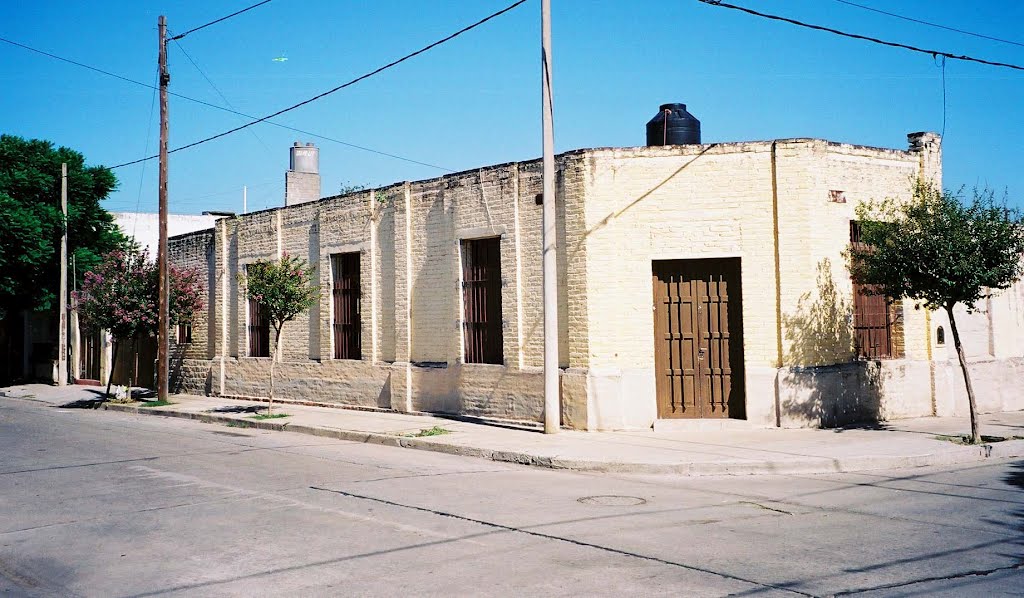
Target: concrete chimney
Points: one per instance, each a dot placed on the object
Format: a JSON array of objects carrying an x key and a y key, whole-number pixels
[{"x": 302, "y": 180}]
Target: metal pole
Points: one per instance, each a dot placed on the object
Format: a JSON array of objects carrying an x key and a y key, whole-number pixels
[
  {"x": 62, "y": 334},
  {"x": 164, "y": 318},
  {"x": 551, "y": 383}
]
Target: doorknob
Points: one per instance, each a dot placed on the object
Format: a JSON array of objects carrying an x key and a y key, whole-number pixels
[{"x": 701, "y": 352}]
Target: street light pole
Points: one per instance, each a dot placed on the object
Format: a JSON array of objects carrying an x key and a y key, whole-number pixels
[
  {"x": 552, "y": 415},
  {"x": 164, "y": 313}
]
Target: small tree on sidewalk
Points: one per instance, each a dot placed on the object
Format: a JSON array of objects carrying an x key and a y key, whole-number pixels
[
  {"x": 283, "y": 289},
  {"x": 122, "y": 296},
  {"x": 940, "y": 250}
]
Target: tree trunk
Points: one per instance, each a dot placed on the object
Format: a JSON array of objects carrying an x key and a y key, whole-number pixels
[
  {"x": 273, "y": 365},
  {"x": 975, "y": 435},
  {"x": 113, "y": 362}
]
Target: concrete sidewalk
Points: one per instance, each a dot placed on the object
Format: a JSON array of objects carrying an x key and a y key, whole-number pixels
[{"x": 889, "y": 445}]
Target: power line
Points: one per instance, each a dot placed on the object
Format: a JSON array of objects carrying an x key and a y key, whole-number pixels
[
  {"x": 215, "y": 88},
  {"x": 936, "y": 25},
  {"x": 142, "y": 175},
  {"x": 340, "y": 87},
  {"x": 222, "y": 108},
  {"x": 69, "y": 61},
  {"x": 234, "y": 14},
  {"x": 863, "y": 37}
]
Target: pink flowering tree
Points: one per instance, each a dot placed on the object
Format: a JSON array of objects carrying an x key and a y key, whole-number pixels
[
  {"x": 284, "y": 289},
  {"x": 122, "y": 296}
]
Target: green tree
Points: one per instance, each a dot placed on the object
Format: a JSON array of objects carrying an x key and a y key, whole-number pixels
[
  {"x": 940, "y": 249},
  {"x": 30, "y": 212},
  {"x": 122, "y": 297},
  {"x": 284, "y": 289}
]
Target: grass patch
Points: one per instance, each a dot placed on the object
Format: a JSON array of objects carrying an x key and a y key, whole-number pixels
[
  {"x": 236, "y": 425},
  {"x": 435, "y": 431},
  {"x": 156, "y": 404},
  {"x": 269, "y": 416},
  {"x": 965, "y": 439}
]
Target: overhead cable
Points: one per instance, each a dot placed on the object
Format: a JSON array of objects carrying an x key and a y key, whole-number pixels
[
  {"x": 936, "y": 25},
  {"x": 215, "y": 88},
  {"x": 218, "y": 107},
  {"x": 234, "y": 14},
  {"x": 339, "y": 87},
  {"x": 864, "y": 37}
]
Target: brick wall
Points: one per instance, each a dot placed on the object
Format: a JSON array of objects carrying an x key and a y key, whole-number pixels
[{"x": 783, "y": 208}]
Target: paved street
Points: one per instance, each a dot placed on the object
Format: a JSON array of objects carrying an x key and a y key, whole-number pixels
[{"x": 98, "y": 503}]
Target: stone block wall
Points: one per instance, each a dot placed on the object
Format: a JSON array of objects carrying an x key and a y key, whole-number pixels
[
  {"x": 783, "y": 208},
  {"x": 188, "y": 374},
  {"x": 409, "y": 240}
]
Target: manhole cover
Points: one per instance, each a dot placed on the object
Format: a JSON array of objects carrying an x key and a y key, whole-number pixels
[{"x": 612, "y": 500}]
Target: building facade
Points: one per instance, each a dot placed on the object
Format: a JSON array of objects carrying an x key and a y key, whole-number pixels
[{"x": 695, "y": 282}]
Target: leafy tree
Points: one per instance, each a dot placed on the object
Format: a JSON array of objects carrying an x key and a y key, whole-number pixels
[
  {"x": 122, "y": 296},
  {"x": 30, "y": 212},
  {"x": 940, "y": 250},
  {"x": 284, "y": 289}
]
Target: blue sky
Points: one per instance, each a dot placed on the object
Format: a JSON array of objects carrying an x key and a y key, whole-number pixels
[{"x": 476, "y": 100}]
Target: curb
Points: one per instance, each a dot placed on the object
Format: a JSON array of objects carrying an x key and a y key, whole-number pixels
[{"x": 810, "y": 465}]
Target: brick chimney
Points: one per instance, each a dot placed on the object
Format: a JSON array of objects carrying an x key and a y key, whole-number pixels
[{"x": 302, "y": 181}]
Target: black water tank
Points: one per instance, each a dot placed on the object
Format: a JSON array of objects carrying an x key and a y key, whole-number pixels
[{"x": 673, "y": 125}]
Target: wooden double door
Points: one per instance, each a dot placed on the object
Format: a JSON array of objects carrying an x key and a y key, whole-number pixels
[{"x": 698, "y": 335}]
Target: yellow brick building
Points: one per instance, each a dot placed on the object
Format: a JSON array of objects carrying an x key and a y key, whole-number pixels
[{"x": 432, "y": 294}]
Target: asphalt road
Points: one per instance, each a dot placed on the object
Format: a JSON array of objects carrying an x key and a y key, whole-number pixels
[{"x": 96, "y": 503}]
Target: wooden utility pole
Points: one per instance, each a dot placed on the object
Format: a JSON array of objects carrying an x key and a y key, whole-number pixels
[
  {"x": 552, "y": 411},
  {"x": 62, "y": 303},
  {"x": 164, "y": 290}
]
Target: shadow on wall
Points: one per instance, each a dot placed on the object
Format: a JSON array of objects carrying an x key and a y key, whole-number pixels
[
  {"x": 821, "y": 384},
  {"x": 177, "y": 361}
]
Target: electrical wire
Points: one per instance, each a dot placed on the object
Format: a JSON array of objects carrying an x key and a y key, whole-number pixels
[
  {"x": 234, "y": 14},
  {"x": 338, "y": 88},
  {"x": 142, "y": 175},
  {"x": 222, "y": 108},
  {"x": 215, "y": 88},
  {"x": 936, "y": 25},
  {"x": 863, "y": 37}
]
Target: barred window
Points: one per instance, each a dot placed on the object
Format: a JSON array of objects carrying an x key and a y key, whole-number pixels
[
  {"x": 346, "y": 294},
  {"x": 481, "y": 297},
  {"x": 259, "y": 330},
  {"x": 872, "y": 320}
]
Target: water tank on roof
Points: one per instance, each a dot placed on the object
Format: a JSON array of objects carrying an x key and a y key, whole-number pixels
[
  {"x": 673, "y": 125},
  {"x": 304, "y": 158}
]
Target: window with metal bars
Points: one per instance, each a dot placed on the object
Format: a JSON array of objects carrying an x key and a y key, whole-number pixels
[
  {"x": 346, "y": 294},
  {"x": 481, "y": 300},
  {"x": 872, "y": 320},
  {"x": 184, "y": 333},
  {"x": 259, "y": 331}
]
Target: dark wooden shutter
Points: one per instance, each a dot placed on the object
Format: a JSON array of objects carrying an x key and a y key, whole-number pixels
[
  {"x": 184, "y": 333},
  {"x": 346, "y": 292},
  {"x": 259, "y": 331},
  {"x": 872, "y": 324},
  {"x": 90, "y": 360},
  {"x": 481, "y": 298}
]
